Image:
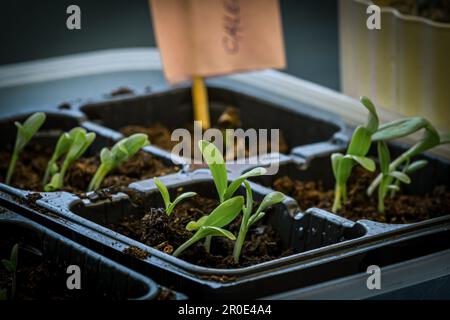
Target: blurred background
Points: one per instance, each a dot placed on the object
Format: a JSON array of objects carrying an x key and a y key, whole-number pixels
[{"x": 37, "y": 29}]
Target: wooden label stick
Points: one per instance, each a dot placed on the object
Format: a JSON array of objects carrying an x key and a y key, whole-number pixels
[{"x": 200, "y": 101}]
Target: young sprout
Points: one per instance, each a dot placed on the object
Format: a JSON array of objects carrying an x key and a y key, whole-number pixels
[
  {"x": 248, "y": 219},
  {"x": 400, "y": 128},
  {"x": 407, "y": 169},
  {"x": 212, "y": 225},
  {"x": 62, "y": 146},
  {"x": 216, "y": 165},
  {"x": 119, "y": 154},
  {"x": 81, "y": 141},
  {"x": 11, "y": 266},
  {"x": 25, "y": 132},
  {"x": 170, "y": 206},
  {"x": 356, "y": 154}
]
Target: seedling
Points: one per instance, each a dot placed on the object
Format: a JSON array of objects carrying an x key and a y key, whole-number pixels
[
  {"x": 398, "y": 129},
  {"x": 212, "y": 225},
  {"x": 62, "y": 146},
  {"x": 11, "y": 266},
  {"x": 216, "y": 165},
  {"x": 25, "y": 132},
  {"x": 81, "y": 141},
  {"x": 170, "y": 206},
  {"x": 121, "y": 152},
  {"x": 356, "y": 154},
  {"x": 248, "y": 219}
]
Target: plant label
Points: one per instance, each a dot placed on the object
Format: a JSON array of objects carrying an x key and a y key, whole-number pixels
[{"x": 214, "y": 37}]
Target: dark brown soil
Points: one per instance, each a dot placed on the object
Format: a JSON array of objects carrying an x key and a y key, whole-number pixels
[
  {"x": 160, "y": 135},
  {"x": 121, "y": 91},
  {"x": 36, "y": 280},
  {"x": 33, "y": 160},
  {"x": 438, "y": 10},
  {"x": 403, "y": 208},
  {"x": 164, "y": 233}
]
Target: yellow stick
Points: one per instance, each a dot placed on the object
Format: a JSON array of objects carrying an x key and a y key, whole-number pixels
[{"x": 200, "y": 101}]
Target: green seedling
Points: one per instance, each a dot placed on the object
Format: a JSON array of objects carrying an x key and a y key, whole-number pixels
[
  {"x": 407, "y": 169},
  {"x": 216, "y": 164},
  {"x": 169, "y": 205},
  {"x": 81, "y": 141},
  {"x": 11, "y": 266},
  {"x": 121, "y": 152},
  {"x": 401, "y": 128},
  {"x": 356, "y": 154},
  {"x": 212, "y": 225},
  {"x": 248, "y": 219},
  {"x": 62, "y": 146},
  {"x": 25, "y": 132}
]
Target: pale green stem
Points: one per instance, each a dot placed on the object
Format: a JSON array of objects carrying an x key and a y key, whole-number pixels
[
  {"x": 98, "y": 178},
  {"x": 12, "y": 167},
  {"x": 337, "y": 198},
  {"x": 208, "y": 243},
  {"x": 392, "y": 167},
  {"x": 239, "y": 242},
  {"x": 47, "y": 171},
  {"x": 184, "y": 246}
]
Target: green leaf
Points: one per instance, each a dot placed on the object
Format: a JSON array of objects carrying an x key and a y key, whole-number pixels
[
  {"x": 216, "y": 164},
  {"x": 54, "y": 184},
  {"x": 255, "y": 218},
  {"x": 393, "y": 187},
  {"x": 135, "y": 142},
  {"x": 8, "y": 266},
  {"x": 14, "y": 256},
  {"x": 400, "y": 176},
  {"x": 225, "y": 212},
  {"x": 416, "y": 165},
  {"x": 239, "y": 180},
  {"x": 430, "y": 140},
  {"x": 163, "y": 191},
  {"x": 399, "y": 128},
  {"x": 249, "y": 201},
  {"x": 373, "y": 121},
  {"x": 29, "y": 128},
  {"x": 180, "y": 198},
  {"x": 78, "y": 145},
  {"x": 365, "y": 162},
  {"x": 384, "y": 157},
  {"x": 211, "y": 231},
  {"x": 360, "y": 142},
  {"x": 195, "y": 225},
  {"x": 62, "y": 146},
  {"x": 335, "y": 159},
  {"x": 3, "y": 294},
  {"x": 269, "y": 200}
]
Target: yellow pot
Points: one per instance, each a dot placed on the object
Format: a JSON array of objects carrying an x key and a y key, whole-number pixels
[{"x": 404, "y": 67}]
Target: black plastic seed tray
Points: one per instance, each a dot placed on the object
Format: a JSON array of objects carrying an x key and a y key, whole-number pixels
[
  {"x": 325, "y": 246},
  {"x": 41, "y": 248}
]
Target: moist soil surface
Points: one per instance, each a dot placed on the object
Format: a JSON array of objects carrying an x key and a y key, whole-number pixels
[
  {"x": 160, "y": 135},
  {"x": 154, "y": 228},
  {"x": 403, "y": 208},
  {"x": 33, "y": 161}
]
